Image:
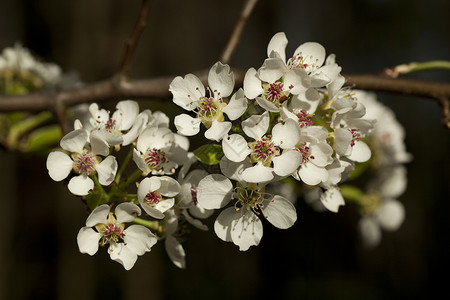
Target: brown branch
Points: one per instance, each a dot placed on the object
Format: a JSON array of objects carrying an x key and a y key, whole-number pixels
[
  {"x": 134, "y": 38},
  {"x": 158, "y": 88},
  {"x": 236, "y": 34},
  {"x": 379, "y": 83}
]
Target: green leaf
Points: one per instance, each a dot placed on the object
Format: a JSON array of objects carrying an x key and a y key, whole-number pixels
[
  {"x": 43, "y": 138},
  {"x": 209, "y": 154}
]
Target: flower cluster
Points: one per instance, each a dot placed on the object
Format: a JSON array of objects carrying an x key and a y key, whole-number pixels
[{"x": 292, "y": 120}]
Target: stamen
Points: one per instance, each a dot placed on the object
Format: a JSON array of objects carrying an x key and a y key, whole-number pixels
[
  {"x": 305, "y": 119},
  {"x": 153, "y": 198},
  {"x": 155, "y": 159}
]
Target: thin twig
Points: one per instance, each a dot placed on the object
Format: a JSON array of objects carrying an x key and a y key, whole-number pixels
[
  {"x": 236, "y": 34},
  {"x": 134, "y": 38}
]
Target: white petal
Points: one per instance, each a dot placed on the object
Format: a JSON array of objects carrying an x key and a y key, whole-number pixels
[
  {"x": 218, "y": 130},
  {"x": 246, "y": 231},
  {"x": 139, "y": 239},
  {"x": 75, "y": 140},
  {"x": 98, "y": 215},
  {"x": 221, "y": 79},
  {"x": 127, "y": 111},
  {"x": 370, "y": 231},
  {"x": 153, "y": 212},
  {"x": 278, "y": 44},
  {"x": 233, "y": 170},
  {"x": 256, "y": 126},
  {"x": 87, "y": 240},
  {"x": 123, "y": 255},
  {"x": 237, "y": 105},
  {"x": 223, "y": 223},
  {"x": 140, "y": 162},
  {"x": 258, "y": 173},
  {"x": 98, "y": 145},
  {"x": 80, "y": 185},
  {"x": 214, "y": 191},
  {"x": 286, "y": 135},
  {"x": 312, "y": 174},
  {"x": 343, "y": 137},
  {"x": 169, "y": 186},
  {"x": 287, "y": 163},
  {"x": 252, "y": 84},
  {"x": 187, "y": 125},
  {"x": 360, "y": 152},
  {"x": 332, "y": 199},
  {"x": 267, "y": 105},
  {"x": 235, "y": 147},
  {"x": 108, "y": 137},
  {"x": 313, "y": 54},
  {"x": 272, "y": 70},
  {"x": 391, "y": 214},
  {"x": 186, "y": 91},
  {"x": 175, "y": 251},
  {"x": 106, "y": 170},
  {"x": 59, "y": 165},
  {"x": 164, "y": 205},
  {"x": 280, "y": 212},
  {"x": 126, "y": 212}
]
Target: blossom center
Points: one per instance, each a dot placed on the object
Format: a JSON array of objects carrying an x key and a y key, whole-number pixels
[
  {"x": 84, "y": 163},
  {"x": 112, "y": 232},
  {"x": 110, "y": 125},
  {"x": 304, "y": 119},
  {"x": 194, "y": 194},
  {"x": 154, "y": 159},
  {"x": 356, "y": 136},
  {"x": 263, "y": 150},
  {"x": 209, "y": 109},
  {"x": 153, "y": 198},
  {"x": 305, "y": 152},
  {"x": 249, "y": 197}
]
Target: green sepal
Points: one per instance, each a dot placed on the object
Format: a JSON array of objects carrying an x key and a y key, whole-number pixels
[{"x": 210, "y": 154}]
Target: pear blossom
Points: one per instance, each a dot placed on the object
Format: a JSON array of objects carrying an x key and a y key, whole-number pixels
[
  {"x": 240, "y": 223},
  {"x": 159, "y": 151},
  {"x": 156, "y": 195},
  {"x": 104, "y": 226},
  {"x": 83, "y": 161},
  {"x": 268, "y": 153},
  {"x": 111, "y": 129},
  {"x": 190, "y": 94},
  {"x": 34, "y": 74},
  {"x": 298, "y": 78},
  {"x": 380, "y": 208}
]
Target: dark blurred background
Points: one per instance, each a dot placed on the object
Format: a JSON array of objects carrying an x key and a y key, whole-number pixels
[{"x": 321, "y": 256}]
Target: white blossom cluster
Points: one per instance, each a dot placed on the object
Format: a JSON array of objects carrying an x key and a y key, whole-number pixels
[
  {"x": 18, "y": 65},
  {"x": 291, "y": 119}
]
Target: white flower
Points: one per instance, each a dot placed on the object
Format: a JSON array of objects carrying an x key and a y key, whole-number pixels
[
  {"x": 240, "y": 223},
  {"x": 190, "y": 94},
  {"x": 160, "y": 151},
  {"x": 111, "y": 130},
  {"x": 20, "y": 61},
  {"x": 381, "y": 209},
  {"x": 156, "y": 195},
  {"x": 83, "y": 161},
  {"x": 266, "y": 151},
  {"x": 105, "y": 227}
]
